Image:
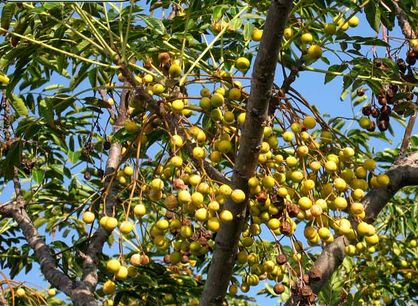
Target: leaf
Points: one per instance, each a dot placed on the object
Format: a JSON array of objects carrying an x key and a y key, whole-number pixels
[
  {"x": 334, "y": 68},
  {"x": 6, "y": 15},
  {"x": 373, "y": 13},
  {"x": 154, "y": 24},
  {"x": 19, "y": 106},
  {"x": 13, "y": 159},
  {"x": 73, "y": 157}
]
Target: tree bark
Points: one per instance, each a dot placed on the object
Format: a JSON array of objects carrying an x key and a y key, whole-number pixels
[
  {"x": 223, "y": 259},
  {"x": 405, "y": 173}
]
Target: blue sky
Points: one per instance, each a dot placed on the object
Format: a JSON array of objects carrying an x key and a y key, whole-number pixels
[{"x": 311, "y": 86}]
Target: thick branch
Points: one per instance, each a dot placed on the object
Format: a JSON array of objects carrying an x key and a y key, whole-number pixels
[
  {"x": 405, "y": 173},
  {"x": 42, "y": 252},
  {"x": 223, "y": 259}
]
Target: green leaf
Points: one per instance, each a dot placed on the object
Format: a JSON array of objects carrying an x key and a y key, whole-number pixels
[
  {"x": 155, "y": 24},
  {"x": 19, "y": 106},
  {"x": 334, "y": 68},
  {"x": 73, "y": 157},
  {"x": 373, "y": 13},
  {"x": 6, "y": 15}
]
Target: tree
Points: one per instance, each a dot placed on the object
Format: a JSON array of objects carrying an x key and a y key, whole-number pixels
[{"x": 152, "y": 162}]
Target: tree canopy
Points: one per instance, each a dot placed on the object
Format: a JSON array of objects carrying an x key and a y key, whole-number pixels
[{"x": 165, "y": 153}]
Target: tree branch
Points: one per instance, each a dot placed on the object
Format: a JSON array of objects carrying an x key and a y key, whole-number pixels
[
  {"x": 223, "y": 259},
  {"x": 43, "y": 255},
  {"x": 405, "y": 173},
  {"x": 94, "y": 249}
]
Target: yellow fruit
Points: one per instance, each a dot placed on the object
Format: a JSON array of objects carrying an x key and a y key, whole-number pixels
[
  {"x": 113, "y": 265},
  {"x": 365, "y": 229},
  {"x": 109, "y": 287},
  {"x": 242, "y": 64},
  {"x": 176, "y": 140},
  {"x": 176, "y": 161},
  {"x": 184, "y": 196},
  {"x": 217, "y": 100},
  {"x": 177, "y": 105},
  {"x": 197, "y": 199},
  {"x": 157, "y": 184},
  {"x": 4, "y": 79},
  {"x": 128, "y": 171},
  {"x": 340, "y": 203},
  {"x": 111, "y": 223},
  {"x": 158, "y": 89},
  {"x": 309, "y": 122},
  {"x": 268, "y": 182},
  {"x": 340, "y": 184},
  {"x": 186, "y": 231},
  {"x": 194, "y": 179},
  {"x": 331, "y": 166},
  {"x": 174, "y": 70},
  {"x": 234, "y": 94},
  {"x": 324, "y": 233},
  {"x": 213, "y": 224},
  {"x": 257, "y": 34},
  {"x": 52, "y": 292},
  {"x": 357, "y": 194},
  {"x": 314, "y": 52},
  {"x": 201, "y": 214},
  {"x": 373, "y": 239},
  {"x": 383, "y": 180},
  {"x": 140, "y": 210},
  {"x": 305, "y": 203},
  {"x": 273, "y": 224},
  {"x": 238, "y": 196},
  {"x": 315, "y": 165},
  {"x": 225, "y": 146},
  {"x": 364, "y": 122},
  {"x": 292, "y": 161},
  {"x": 353, "y": 21},
  {"x": 226, "y": 216},
  {"x": 126, "y": 227},
  {"x": 306, "y": 38},
  {"x": 350, "y": 250},
  {"x": 288, "y": 136},
  {"x": 288, "y": 33},
  {"x": 122, "y": 273},
  {"x": 88, "y": 217},
  {"x": 356, "y": 208},
  {"x": 369, "y": 164},
  {"x": 162, "y": 224},
  {"x": 20, "y": 292},
  {"x": 148, "y": 78},
  {"x": 241, "y": 118},
  {"x": 302, "y": 151}
]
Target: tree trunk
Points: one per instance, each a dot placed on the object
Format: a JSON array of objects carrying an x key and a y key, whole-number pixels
[{"x": 223, "y": 260}]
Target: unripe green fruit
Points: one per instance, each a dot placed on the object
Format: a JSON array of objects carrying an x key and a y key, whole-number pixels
[{"x": 217, "y": 100}]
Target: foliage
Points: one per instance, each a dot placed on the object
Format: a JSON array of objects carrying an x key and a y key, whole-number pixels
[{"x": 65, "y": 103}]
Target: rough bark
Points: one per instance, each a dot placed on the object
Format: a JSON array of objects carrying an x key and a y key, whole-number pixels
[
  {"x": 405, "y": 173},
  {"x": 223, "y": 259}
]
